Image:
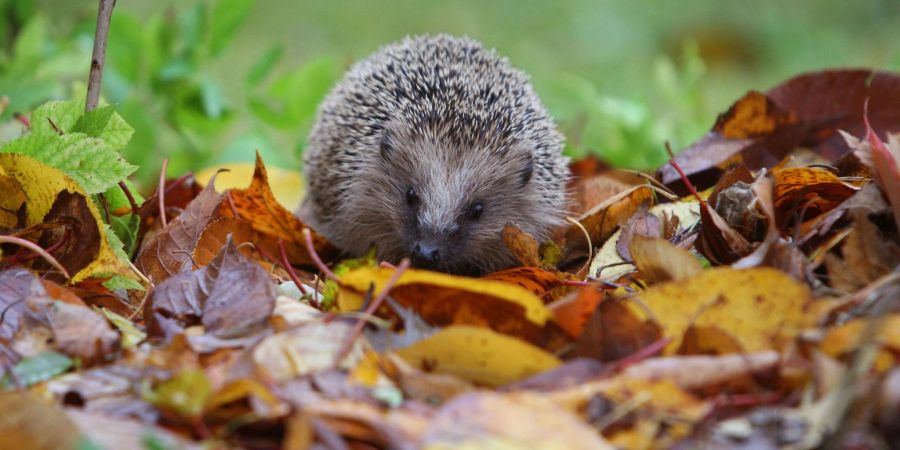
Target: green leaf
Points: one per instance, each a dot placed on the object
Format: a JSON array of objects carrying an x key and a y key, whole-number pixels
[
  {"x": 89, "y": 161},
  {"x": 293, "y": 98},
  {"x": 64, "y": 115},
  {"x": 122, "y": 282},
  {"x": 117, "y": 198},
  {"x": 131, "y": 335},
  {"x": 226, "y": 18},
  {"x": 39, "y": 368},
  {"x": 264, "y": 65},
  {"x": 185, "y": 394},
  {"x": 118, "y": 248},
  {"x": 106, "y": 124}
]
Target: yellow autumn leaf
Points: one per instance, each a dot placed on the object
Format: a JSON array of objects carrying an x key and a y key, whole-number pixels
[
  {"x": 842, "y": 340},
  {"x": 449, "y": 295},
  {"x": 286, "y": 185},
  {"x": 478, "y": 354},
  {"x": 41, "y": 184},
  {"x": 729, "y": 310}
]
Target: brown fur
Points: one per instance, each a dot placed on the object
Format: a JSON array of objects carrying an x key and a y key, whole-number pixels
[{"x": 455, "y": 123}]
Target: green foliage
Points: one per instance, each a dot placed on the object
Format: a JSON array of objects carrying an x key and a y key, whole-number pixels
[
  {"x": 632, "y": 132},
  {"x": 35, "y": 369},
  {"x": 89, "y": 161}
]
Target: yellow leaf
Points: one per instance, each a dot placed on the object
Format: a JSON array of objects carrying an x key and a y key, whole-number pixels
[
  {"x": 287, "y": 185},
  {"x": 479, "y": 355},
  {"x": 844, "y": 339},
  {"x": 41, "y": 184},
  {"x": 443, "y": 300},
  {"x": 760, "y": 309},
  {"x": 471, "y": 288},
  {"x": 240, "y": 389}
]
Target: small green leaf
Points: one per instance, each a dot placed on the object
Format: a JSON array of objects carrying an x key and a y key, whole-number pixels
[
  {"x": 40, "y": 368},
  {"x": 131, "y": 335},
  {"x": 63, "y": 114},
  {"x": 186, "y": 394},
  {"x": 263, "y": 66},
  {"x": 118, "y": 248},
  {"x": 89, "y": 161},
  {"x": 122, "y": 282},
  {"x": 106, "y": 124}
]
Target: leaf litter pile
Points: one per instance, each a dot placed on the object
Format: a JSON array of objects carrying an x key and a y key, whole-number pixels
[{"x": 746, "y": 295}]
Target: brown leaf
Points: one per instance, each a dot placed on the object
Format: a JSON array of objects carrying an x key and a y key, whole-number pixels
[
  {"x": 28, "y": 422},
  {"x": 80, "y": 332},
  {"x": 602, "y": 220},
  {"x": 231, "y": 297},
  {"x": 812, "y": 191},
  {"x": 510, "y": 421},
  {"x": 866, "y": 256},
  {"x": 76, "y": 229},
  {"x": 522, "y": 245},
  {"x": 258, "y": 206},
  {"x": 807, "y": 110},
  {"x": 614, "y": 332},
  {"x": 641, "y": 223},
  {"x": 660, "y": 261},
  {"x": 16, "y": 285},
  {"x": 169, "y": 252}
]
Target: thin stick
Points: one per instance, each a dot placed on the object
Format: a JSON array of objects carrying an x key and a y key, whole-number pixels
[
  {"x": 684, "y": 177},
  {"x": 587, "y": 237},
  {"x": 134, "y": 207},
  {"x": 99, "y": 55},
  {"x": 307, "y": 236},
  {"x": 162, "y": 192},
  {"x": 37, "y": 249},
  {"x": 370, "y": 311},
  {"x": 290, "y": 270}
]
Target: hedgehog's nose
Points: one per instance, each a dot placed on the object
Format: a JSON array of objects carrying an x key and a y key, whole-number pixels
[{"x": 426, "y": 256}]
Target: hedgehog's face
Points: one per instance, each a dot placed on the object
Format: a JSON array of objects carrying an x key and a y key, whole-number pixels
[{"x": 450, "y": 202}]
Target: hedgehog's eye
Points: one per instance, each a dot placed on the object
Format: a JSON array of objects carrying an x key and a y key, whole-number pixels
[
  {"x": 412, "y": 199},
  {"x": 475, "y": 210}
]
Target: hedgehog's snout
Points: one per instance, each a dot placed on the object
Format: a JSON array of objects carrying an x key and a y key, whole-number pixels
[{"x": 426, "y": 255}]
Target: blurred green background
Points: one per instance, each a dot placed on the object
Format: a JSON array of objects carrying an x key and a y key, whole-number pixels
[{"x": 206, "y": 81}]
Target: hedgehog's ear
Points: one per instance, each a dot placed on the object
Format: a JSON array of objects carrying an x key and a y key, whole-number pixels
[
  {"x": 526, "y": 171},
  {"x": 387, "y": 145}
]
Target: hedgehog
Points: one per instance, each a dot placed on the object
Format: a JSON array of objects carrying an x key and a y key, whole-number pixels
[{"x": 427, "y": 149}]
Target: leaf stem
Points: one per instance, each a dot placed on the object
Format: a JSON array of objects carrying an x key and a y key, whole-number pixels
[{"x": 37, "y": 249}]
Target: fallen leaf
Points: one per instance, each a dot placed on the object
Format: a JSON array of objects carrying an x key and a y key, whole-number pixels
[
  {"x": 760, "y": 308},
  {"x": 169, "y": 252},
  {"x": 479, "y": 355},
  {"x": 28, "y": 422},
  {"x": 490, "y": 420},
  {"x": 660, "y": 261},
  {"x": 443, "y": 300}
]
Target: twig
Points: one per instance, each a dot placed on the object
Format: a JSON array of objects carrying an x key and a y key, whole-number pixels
[
  {"x": 161, "y": 190},
  {"x": 684, "y": 177},
  {"x": 23, "y": 119},
  {"x": 587, "y": 237},
  {"x": 134, "y": 207},
  {"x": 99, "y": 54},
  {"x": 37, "y": 249},
  {"x": 290, "y": 270},
  {"x": 307, "y": 237},
  {"x": 357, "y": 329}
]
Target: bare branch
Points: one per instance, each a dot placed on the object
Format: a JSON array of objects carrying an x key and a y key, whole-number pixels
[{"x": 99, "y": 54}]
